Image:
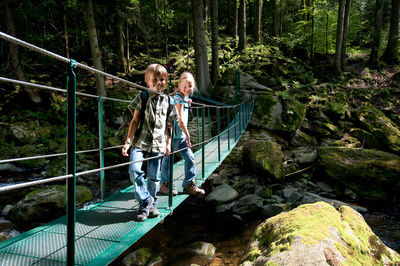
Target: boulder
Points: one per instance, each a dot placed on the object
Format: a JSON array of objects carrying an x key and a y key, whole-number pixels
[
  {"x": 383, "y": 129},
  {"x": 264, "y": 156},
  {"x": 371, "y": 174},
  {"x": 45, "y": 204},
  {"x": 222, "y": 194},
  {"x": 203, "y": 249},
  {"x": 248, "y": 204},
  {"x": 281, "y": 116},
  {"x": 318, "y": 234},
  {"x": 142, "y": 257}
]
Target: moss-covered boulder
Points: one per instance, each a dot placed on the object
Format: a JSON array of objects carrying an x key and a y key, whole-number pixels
[
  {"x": 318, "y": 234},
  {"x": 142, "y": 257},
  {"x": 371, "y": 174},
  {"x": 383, "y": 129},
  {"x": 45, "y": 204},
  {"x": 281, "y": 115},
  {"x": 264, "y": 157}
]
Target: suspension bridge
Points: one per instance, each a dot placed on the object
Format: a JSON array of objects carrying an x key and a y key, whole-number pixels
[{"x": 101, "y": 232}]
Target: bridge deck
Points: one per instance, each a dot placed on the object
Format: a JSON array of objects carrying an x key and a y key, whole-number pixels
[{"x": 105, "y": 230}]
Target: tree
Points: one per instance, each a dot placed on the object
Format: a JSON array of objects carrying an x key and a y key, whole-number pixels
[
  {"x": 200, "y": 47},
  {"x": 341, "y": 34},
  {"x": 94, "y": 47},
  {"x": 258, "y": 21},
  {"x": 391, "y": 55},
  {"x": 275, "y": 19},
  {"x": 242, "y": 24},
  {"x": 376, "y": 36},
  {"x": 214, "y": 41},
  {"x": 33, "y": 95},
  {"x": 120, "y": 42},
  {"x": 236, "y": 20}
]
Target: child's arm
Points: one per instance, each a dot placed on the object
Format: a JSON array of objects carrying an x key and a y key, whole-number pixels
[
  {"x": 131, "y": 132},
  {"x": 179, "y": 108}
]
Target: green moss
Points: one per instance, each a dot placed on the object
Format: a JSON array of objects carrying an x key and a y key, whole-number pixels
[{"x": 264, "y": 104}]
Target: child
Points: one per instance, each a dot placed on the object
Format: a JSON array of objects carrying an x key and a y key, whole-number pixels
[
  {"x": 181, "y": 140},
  {"x": 146, "y": 134}
]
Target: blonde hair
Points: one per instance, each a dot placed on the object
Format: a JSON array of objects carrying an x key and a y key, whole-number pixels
[
  {"x": 155, "y": 69},
  {"x": 185, "y": 76}
]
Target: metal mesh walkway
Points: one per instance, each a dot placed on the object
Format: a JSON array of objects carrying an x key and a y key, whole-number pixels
[{"x": 104, "y": 230}]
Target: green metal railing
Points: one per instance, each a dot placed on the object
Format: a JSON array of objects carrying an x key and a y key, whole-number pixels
[{"x": 234, "y": 128}]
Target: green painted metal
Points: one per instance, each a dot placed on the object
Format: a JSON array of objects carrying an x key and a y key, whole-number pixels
[
  {"x": 229, "y": 137},
  {"x": 209, "y": 122},
  {"x": 71, "y": 161},
  {"x": 101, "y": 147},
  {"x": 106, "y": 229},
  {"x": 171, "y": 168},
  {"x": 203, "y": 113},
  {"x": 219, "y": 132},
  {"x": 198, "y": 126}
]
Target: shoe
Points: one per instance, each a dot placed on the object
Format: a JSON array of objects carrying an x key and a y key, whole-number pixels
[
  {"x": 193, "y": 189},
  {"x": 153, "y": 212},
  {"x": 144, "y": 210},
  {"x": 164, "y": 189}
]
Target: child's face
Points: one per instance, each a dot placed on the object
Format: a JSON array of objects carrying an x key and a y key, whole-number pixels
[
  {"x": 186, "y": 87},
  {"x": 157, "y": 82}
]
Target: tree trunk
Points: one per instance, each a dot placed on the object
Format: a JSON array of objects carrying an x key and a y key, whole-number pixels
[
  {"x": 390, "y": 55},
  {"x": 312, "y": 30},
  {"x": 242, "y": 25},
  {"x": 144, "y": 31},
  {"x": 127, "y": 48},
  {"x": 327, "y": 28},
  {"x": 376, "y": 36},
  {"x": 65, "y": 29},
  {"x": 236, "y": 20},
  {"x": 166, "y": 32},
  {"x": 120, "y": 43},
  {"x": 214, "y": 41},
  {"x": 158, "y": 22},
  {"x": 200, "y": 47},
  {"x": 258, "y": 21},
  {"x": 280, "y": 17},
  {"x": 345, "y": 27},
  {"x": 275, "y": 17},
  {"x": 339, "y": 37},
  {"x": 33, "y": 95},
  {"x": 94, "y": 47}
]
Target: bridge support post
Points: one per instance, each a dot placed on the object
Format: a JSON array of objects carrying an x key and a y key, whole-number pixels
[
  {"x": 171, "y": 167},
  {"x": 71, "y": 161},
  {"x": 203, "y": 146},
  {"x": 219, "y": 132},
  {"x": 229, "y": 129},
  {"x": 101, "y": 147}
]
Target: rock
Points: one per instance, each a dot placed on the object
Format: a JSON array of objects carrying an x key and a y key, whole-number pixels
[
  {"x": 248, "y": 204},
  {"x": 46, "y": 203},
  {"x": 224, "y": 207},
  {"x": 324, "y": 187},
  {"x": 383, "y": 129},
  {"x": 301, "y": 139},
  {"x": 10, "y": 168},
  {"x": 6, "y": 210},
  {"x": 333, "y": 202},
  {"x": 317, "y": 234},
  {"x": 142, "y": 257},
  {"x": 21, "y": 132},
  {"x": 277, "y": 198},
  {"x": 270, "y": 210},
  {"x": 307, "y": 157},
  {"x": 203, "y": 249},
  {"x": 217, "y": 180},
  {"x": 222, "y": 194},
  {"x": 371, "y": 174},
  {"x": 246, "y": 186},
  {"x": 265, "y": 157}
]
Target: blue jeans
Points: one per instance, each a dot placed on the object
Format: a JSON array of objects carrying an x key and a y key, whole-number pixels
[
  {"x": 187, "y": 155},
  {"x": 136, "y": 174}
]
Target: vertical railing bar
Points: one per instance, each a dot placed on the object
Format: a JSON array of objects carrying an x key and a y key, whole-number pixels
[
  {"x": 209, "y": 122},
  {"x": 71, "y": 161},
  {"x": 229, "y": 138},
  {"x": 219, "y": 132},
  {"x": 171, "y": 167},
  {"x": 198, "y": 125},
  {"x": 203, "y": 170},
  {"x": 101, "y": 147}
]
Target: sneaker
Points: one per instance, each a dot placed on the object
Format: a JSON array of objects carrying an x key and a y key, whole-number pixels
[
  {"x": 164, "y": 189},
  {"x": 193, "y": 189},
  {"x": 153, "y": 212},
  {"x": 143, "y": 212}
]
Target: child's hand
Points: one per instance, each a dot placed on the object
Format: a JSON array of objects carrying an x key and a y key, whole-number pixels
[
  {"x": 188, "y": 142},
  {"x": 167, "y": 151},
  {"x": 190, "y": 101},
  {"x": 125, "y": 149}
]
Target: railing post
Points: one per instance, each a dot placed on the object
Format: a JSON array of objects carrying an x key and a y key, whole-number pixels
[
  {"x": 235, "y": 128},
  {"x": 209, "y": 121},
  {"x": 229, "y": 138},
  {"x": 171, "y": 167},
  {"x": 219, "y": 132},
  {"x": 240, "y": 118},
  {"x": 101, "y": 147},
  {"x": 198, "y": 125},
  {"x": 203, "y": 170},
  {"x": 71, "y": 161}
]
